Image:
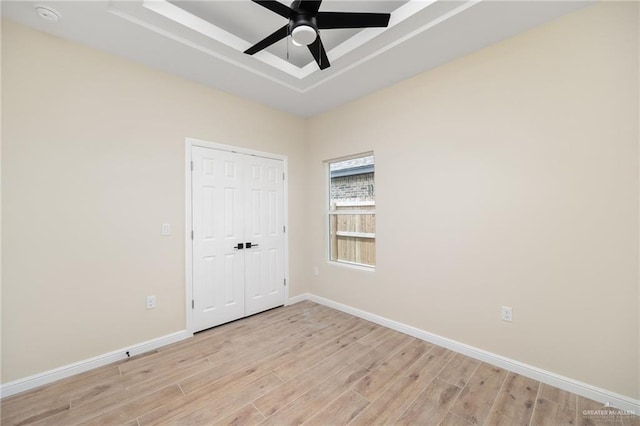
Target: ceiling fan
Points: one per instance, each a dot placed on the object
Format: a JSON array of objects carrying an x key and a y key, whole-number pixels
[{"x": 305, "y": 20}]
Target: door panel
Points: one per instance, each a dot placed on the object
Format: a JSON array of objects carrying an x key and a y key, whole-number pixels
[
  {"x": 264, "y": 226},
  {"x": 236, "y": 199},
  {"x": 218, "y": 211}
]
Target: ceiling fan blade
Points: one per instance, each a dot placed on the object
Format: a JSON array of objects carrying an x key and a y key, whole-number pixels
[
  {"x": 332, "y": 20},
  {"x": 269, "y": 40},
  {"x": 319, "y": 54},
  {"x": 276, "y": 7},
  {"x": 309, "y": 6}
]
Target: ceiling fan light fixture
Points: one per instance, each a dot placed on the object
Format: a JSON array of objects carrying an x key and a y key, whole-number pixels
[{"x": 303, "y": 35}]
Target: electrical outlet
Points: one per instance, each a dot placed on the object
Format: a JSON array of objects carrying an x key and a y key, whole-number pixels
[
  {"x": 151, "y": 302},
  {"x": 316, "y": 271},
  {"x": 507, "y": 313},
  {"x": 166, "y": 229}
]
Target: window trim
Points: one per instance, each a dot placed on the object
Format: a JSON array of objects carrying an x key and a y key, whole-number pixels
[{"x": 329, "y": 213}]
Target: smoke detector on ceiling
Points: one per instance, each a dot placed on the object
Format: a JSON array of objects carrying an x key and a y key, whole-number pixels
[{"x": 47, "y": 13}]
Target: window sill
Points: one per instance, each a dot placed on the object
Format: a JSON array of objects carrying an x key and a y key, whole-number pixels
[{"x": 352, "y": 265}]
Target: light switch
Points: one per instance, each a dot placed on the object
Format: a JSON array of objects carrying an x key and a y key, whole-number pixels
[
  {"x": 166, "y": 229},
  {"x": 151, "y": 302}
]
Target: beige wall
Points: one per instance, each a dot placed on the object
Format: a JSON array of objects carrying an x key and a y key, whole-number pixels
[
  {"x": 93, "y": 164},
  {"x": 523, "y": 165}
]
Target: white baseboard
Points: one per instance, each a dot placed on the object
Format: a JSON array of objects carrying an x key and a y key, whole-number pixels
[
  {"x": 27, "y": 383},
  {"x": 299, "y": 298},
  {"x": 583, "y": 389}
]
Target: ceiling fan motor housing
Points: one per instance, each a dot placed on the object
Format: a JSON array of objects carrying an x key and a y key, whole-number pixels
[{"x": 307, "y": 28}]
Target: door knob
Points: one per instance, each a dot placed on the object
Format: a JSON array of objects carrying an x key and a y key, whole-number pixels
[
  {"x": 240, "y": 246},
  {"x": 249, "y": 245}
]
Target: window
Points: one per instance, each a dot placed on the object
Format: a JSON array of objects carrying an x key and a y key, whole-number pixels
[{"x": 352, "y": 211}]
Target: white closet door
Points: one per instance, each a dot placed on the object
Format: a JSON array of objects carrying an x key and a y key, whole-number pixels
[
  {"x": 237, "y": 199},
  {"x": 218, "y": 227},
  {"x": 264, "y": 221}
]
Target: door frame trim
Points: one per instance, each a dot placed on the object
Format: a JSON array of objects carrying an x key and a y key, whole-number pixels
[{"x": 188, "y": 219}]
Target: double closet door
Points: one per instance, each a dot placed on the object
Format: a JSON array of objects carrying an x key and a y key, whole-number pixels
[{"x": 238, "y": 235}]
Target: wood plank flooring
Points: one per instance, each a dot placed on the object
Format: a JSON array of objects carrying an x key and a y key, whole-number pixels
[{"x": 301, "y": 364}]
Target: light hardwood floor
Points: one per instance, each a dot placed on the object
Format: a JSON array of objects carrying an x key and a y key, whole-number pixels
[{"x": 302, "y": 364}]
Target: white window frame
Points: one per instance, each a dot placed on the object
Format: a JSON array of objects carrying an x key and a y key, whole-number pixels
[{"x": 329, "y": 213}]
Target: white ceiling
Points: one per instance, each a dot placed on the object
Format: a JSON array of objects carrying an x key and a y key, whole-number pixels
[{"x": 204, "y": 41}]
